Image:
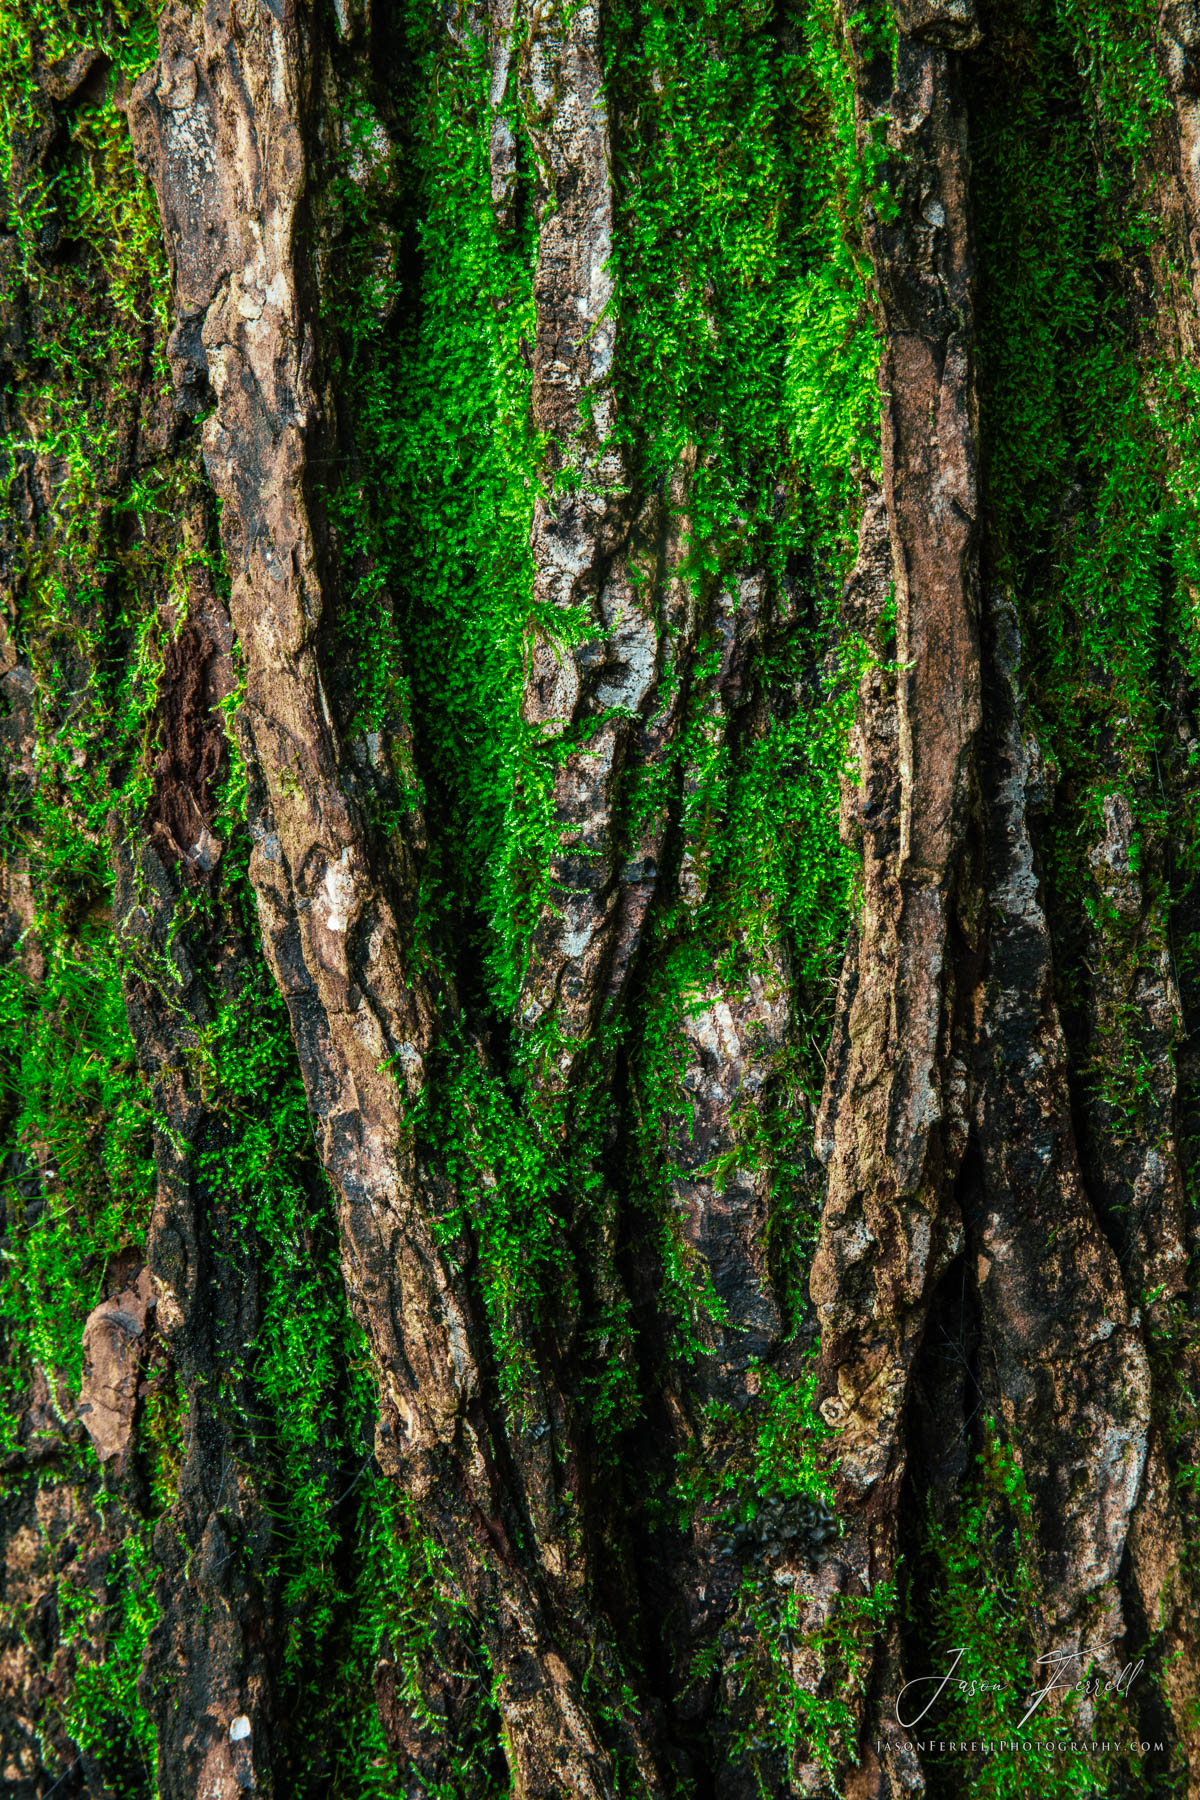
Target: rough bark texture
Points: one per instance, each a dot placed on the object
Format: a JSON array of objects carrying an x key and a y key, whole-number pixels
[
  {"x": 892, "y": 1115},
  {"x": 335, "y": 905},
  {"x": 585, "y": 615}
]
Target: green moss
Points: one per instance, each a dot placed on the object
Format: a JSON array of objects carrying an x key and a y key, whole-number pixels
[
  {"x": 437, "y": 511},
  {"x": 72, "y": 1099},
  {"x": 745, "y": 342},
  {"x": 87, "y": 285},
  {"x": 746, "y": 335},
  {"x": 978, "y": 1596},
  {"x": 75, "y": 1106},
  {"x": 1090, "y": 491},
  {"x": 88, "y": 586},
  {"x": 104, "y": 1706},
  {"x": 1087, "y": 521}
]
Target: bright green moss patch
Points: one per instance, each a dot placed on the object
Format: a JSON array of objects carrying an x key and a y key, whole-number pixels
[
  {"x": 743, "y": 330},
  {"x": 84, "y": 290},
  {"x": 104, "y": 1706},
  {"x": 745, "y": 343},
  {"x": 434, "y": 354},
  {"x": 73, "y": 1103},
  {"x": 78, "y": 1111}
]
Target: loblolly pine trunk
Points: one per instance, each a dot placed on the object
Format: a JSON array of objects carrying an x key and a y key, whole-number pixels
[{"x": 599, "y": 874}]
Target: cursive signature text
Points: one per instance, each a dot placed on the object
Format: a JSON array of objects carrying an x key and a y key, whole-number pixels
[{"x": 1056, "y": 1668}]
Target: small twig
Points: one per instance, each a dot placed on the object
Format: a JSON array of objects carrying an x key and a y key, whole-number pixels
[
  {"x": 1170, "y": 903},
  {"x": 63, "y": 1777},
  {"x": 224, "y": 1479},
  {"x": 351, "y": 1488}
]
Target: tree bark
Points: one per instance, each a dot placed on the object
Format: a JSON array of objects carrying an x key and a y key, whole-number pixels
[{"x": 599, "y": 876}]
